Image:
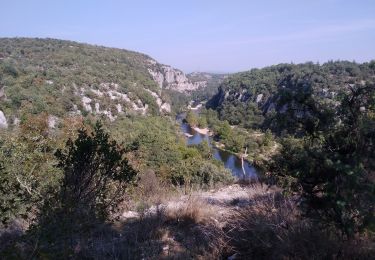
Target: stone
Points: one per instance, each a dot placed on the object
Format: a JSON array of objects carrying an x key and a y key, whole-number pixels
[
  {"x": 86, "y": 103},
  {"x": 171, "y": 78},
  {"x": 3, "y": 120},
  {"x": 52, "y": 120}
]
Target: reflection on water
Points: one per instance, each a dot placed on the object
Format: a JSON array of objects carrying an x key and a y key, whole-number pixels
[{"x": 230, "y": 161}]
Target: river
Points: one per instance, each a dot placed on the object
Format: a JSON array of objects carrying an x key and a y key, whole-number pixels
[{"x": 230, "y": 161}]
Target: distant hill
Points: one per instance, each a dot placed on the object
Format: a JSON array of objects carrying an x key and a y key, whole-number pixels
[
  {"x": 208, "y": 84},
  {"x": 280, "y": 96},
  {"x": 64, "y": 77}
]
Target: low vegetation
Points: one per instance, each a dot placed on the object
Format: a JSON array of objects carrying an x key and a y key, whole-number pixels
[{"x": 130, "y": 188}]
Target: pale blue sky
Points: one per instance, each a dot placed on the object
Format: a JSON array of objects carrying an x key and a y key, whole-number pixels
[{"x": 216, "y": 36}]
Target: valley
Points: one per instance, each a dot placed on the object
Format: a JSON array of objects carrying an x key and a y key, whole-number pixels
[
  {"x": 106, "y": 153},
  {"x": 195, "y": 136}
]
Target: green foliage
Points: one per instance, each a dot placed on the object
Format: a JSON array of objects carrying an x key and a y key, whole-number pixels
[
  {"x": 268, "y": 138},
  {"x": 154, "y": 144},
  {"x": 12, "y": 198},
  {"x": 332, "y": 167},
  {"x": 202, "y": 122},
  {"x": 235, "y": 143},
  {"x": 288, "y": 98},
  {"x": 45, "y": 75},
  {"x": 10, "y": 70},
  {"x": 205, "y": 150},
  {"x": 191, "y": 118},
  {"x": 96, "y": 175},
  {"x": 236, "y": 139},
  {"x": 93, "y": 161},
  {"x": 27, "y": 167},
  {"x": 223, "y": 130}
]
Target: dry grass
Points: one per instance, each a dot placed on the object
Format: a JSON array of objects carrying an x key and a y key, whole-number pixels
[
  {"x": 184, "y": 230},
  {"x": 254, "y": 222},
  {"x": 193, "y": 210},
  {"x": 271, "y": 228}
]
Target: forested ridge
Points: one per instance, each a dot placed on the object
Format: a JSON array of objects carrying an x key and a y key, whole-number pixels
[{"x": 287, "y": 91}]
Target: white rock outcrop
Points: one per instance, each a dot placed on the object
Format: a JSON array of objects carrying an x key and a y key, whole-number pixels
[
  {"x": 16, "y": 121},
  {"x": 171, "y": 78},
  {"x": 119, "y": 108},
  {"x": 166, "y": 107},
  {"x": 3, "y": 120},
  {"x": 52, "y": 121},
  {"x": 163, "y": 106},
  {"x": 97, "y": 108},
  {"x": 86, "y": 103},
  {"x": 112, "y": 91}
]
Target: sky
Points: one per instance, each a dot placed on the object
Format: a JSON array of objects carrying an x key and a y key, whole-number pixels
[{"x": 205, "y": 35}]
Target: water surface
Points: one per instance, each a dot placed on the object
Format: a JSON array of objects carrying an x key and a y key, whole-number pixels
[{"x": 230, "y": 161}]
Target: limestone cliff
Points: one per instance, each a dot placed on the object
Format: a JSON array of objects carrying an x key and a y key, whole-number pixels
[{"x": 170, "y": 78}]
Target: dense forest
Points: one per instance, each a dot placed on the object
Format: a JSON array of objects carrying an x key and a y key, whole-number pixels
[
  {"x": 270, "y": 97},
  {"x": 82, "y": 178}
]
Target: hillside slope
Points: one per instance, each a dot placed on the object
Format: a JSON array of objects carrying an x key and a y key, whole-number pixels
[
  {"x": 274, "y": 96},
  {"x": 209, "y": 83},
  {"x": 64, "y": 77}
]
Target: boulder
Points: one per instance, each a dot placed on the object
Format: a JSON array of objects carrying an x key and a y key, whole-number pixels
[{"x": 3, "y": 120}]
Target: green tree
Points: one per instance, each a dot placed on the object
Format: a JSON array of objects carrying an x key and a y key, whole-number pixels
[
  {"x": 202, "y": 122},
  {"x": 191, "y": 118},
  {"x": 96, "y": 175},
  {"x": 27, "y": 162},
  {"x": 332, "y": 168},
  {"x": 235, "y": 142},
  {"x": 223, "y": 130}
]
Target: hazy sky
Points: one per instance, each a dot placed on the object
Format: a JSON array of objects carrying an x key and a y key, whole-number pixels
[{"x": 216, "y": 36}]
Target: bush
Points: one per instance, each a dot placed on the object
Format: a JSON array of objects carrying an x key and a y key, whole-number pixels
[
  {"x": 332, "y": 168},
  {"x": 95, "y": 178},
  {"x": 272, "y": 228}
]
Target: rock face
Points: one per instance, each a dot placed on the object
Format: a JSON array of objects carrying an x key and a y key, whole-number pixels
[
  {"x": 110, "y": 100},
  {"x": 86, "y": 103},
  {"x": 3, "y": 120},
  {"x": 163, "y": 106},
  {"x": 119, "y": 102},
  {"x": 170, "y": 78}
]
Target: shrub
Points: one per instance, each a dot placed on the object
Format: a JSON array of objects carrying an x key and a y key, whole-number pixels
[
  {"x": 332, "y": 169},
  {"x": 272, "y": 228},
  {"x": 95, "y": 178}
]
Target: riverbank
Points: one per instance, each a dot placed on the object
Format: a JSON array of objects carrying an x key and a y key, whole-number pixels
[
  {"x": 218, "y": 145},
  {"x": 203, "y": 131},
  {"x": 240, "y": 167}
]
